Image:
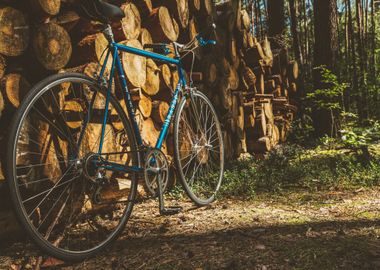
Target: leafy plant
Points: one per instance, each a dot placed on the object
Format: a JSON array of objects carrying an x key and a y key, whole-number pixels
[{"x": 329, "y": 98}]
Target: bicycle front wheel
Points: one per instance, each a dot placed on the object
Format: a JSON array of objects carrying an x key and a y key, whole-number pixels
[
  {"x": 51, "y": 167},
  {"x": 198, "y": 145}
]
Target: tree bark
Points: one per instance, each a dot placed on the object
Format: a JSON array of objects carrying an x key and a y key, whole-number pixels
[
  {"x": 276, "y": 21},
  {"x": 325, "y": 54}
]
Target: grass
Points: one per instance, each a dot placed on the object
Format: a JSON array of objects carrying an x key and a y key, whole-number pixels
[
  {"x": 292, "y": 167},
  {"x": 313, "y": 169}
]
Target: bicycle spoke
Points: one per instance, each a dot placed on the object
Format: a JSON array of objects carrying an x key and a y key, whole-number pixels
[{"x": 202, "y": 164}]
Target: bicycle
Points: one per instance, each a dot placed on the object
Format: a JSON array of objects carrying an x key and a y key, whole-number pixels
[{"x": 72, "y": 197}]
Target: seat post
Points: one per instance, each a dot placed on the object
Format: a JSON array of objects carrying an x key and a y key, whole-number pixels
[{"x": 108, "y": 33}]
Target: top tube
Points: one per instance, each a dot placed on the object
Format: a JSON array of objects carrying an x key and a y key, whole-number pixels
[{"x": 148, "y": 54}]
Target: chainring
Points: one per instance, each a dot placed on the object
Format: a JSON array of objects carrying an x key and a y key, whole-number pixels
[{"x": 156, "y": 165}]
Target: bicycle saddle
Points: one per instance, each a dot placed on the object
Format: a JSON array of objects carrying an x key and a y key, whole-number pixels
[{"x": 100, "y": 11}]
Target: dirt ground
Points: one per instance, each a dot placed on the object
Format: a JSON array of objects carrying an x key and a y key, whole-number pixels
[{"x": 295, "y": 230}]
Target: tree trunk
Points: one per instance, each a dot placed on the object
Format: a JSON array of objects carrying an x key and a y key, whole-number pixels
[
  {"x": 276, "y": 21},
  {"x": 325, "y": 54},
  {"x": 293, "y": 4}
]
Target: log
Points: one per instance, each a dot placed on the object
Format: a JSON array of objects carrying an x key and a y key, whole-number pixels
[
  {"x": 233, "y": 78},
  {"x": 14, "y": 33},
  {"x": 277, "y": 91},
  {"x": 2, "y": 105},
  {"x": 91, "y": 138},
  {"x": 51, "y": 148},
  {"x": 144, "y": 104},
  {"x": 14, "y": 88},
  {"x": 3, "y": 65},
  {"x": 228, "y": 149},
  {"x": 195, "y": 6},
  {"x": 130, "y": 24},
  {"x": 233, "y": 53},
  {"x": 260, "y": 146},
  {"x": 152, "y": 83},
  {"x": 67, "y": 20},
  {"x": 73, "y": 108},
  {"x": 242, "y": 39},
  {"x": 145, "y": 7},
  {"x": 178, "y": 8},
  {"x": 159, "y": 111},
  {"x": 165, "y": 78},
  {"x": 175, "y": 79},
  {"x": 206, "y": 7},
  {"x": 293, "y": 87},
  {"x": 249, "y": 115},
  {"x": 293, "y": 70},
  {"x": 145, "y": 37},
  {"x": 260, "y": 127},
  {"x": 234, "y": 114},
  {"x": 270, "y": 86},
  {"x": 224, "y": 94},
  {"x": 150, "y": 133},
  {"x": 238, "y": 17},
  {"x": 210, "y": 72},
  {"x": 254, "y": 55},
  {"x": 135, "y": 66},
  {"x": 52, "y": 46},
  {"x": 245, "y": 20},
  {"x": 240, "y": 123},
  {"x": 162, "y": 27},
  {"x": 45, "y": 8},
  {"x": 250, "y": 40},
  {"x": 260, "y": 83},
  {"x": 228, "y": 21},
  {"x": 276, "y": 135},
  {"x": 249, "y": 78},
  {"x": 193, "y": 32},
  {"x": 91, "y": 49},
  {"x": 267, "y": 52}
]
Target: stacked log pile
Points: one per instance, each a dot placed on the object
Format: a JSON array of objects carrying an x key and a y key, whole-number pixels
[{"x": 249, "y": 84}]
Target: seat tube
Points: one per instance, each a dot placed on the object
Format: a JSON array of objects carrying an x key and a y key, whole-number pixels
[
  {"x": 128, "y": 100},
  {"x": 108, "y": 95}
]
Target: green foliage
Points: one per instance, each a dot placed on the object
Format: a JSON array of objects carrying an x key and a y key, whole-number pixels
[
  {"x": 355, "y": 136},
  {"x": 329, "y": 98},
  {"x": 291, "y": 166},
  {"x": 302, "y": 131}
]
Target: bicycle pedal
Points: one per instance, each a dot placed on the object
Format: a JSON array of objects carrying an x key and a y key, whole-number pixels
[{"x": 168, "y": 211}]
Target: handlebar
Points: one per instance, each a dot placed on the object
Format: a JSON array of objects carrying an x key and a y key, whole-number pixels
[
  {"x": 162, "y": 48},
  {"x": 204, "y": 42}
]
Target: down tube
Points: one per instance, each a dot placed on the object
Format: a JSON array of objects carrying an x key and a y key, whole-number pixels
[
  {"x": 128, "y": 100},
  {"x": 173, "y": 105}
]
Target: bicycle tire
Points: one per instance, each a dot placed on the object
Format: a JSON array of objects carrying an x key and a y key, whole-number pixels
[
  {"x": 20, "y": 116},
  {"x": 205, "y": 155}
]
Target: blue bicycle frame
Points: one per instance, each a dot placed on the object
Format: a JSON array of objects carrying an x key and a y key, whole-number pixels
[{"x": 114, "y": 49}]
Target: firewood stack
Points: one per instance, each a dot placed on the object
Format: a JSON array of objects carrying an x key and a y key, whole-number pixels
[{"x": 249, "y": 84}]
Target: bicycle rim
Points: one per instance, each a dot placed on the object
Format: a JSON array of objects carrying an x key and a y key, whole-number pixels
[
  {"x": 199, "y": 148},
  {"x": 52, "y": 179}
]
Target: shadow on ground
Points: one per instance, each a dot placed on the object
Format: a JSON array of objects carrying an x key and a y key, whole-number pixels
[{"x": 312, "y": 245}]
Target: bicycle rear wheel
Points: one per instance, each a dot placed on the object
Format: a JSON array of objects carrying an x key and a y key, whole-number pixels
[
  {"x": 54, "y": 184},
  {"x": 199, "y": 151}
]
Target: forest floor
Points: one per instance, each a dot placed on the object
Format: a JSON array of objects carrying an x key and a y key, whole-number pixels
[{"x": 292, "y": 230}]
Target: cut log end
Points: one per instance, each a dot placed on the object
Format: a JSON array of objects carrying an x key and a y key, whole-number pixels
[{"x": 52, "y": 46}]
